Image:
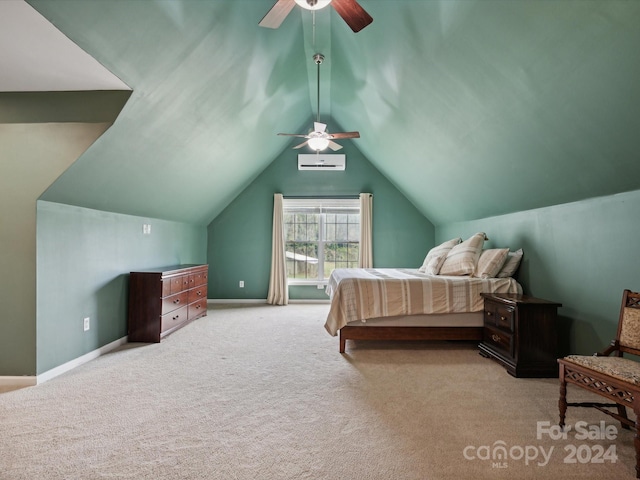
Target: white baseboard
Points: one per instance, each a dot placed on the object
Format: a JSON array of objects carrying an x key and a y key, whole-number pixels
[
  {"x": 310, "y": 300},
  {"x": 260, "y": 300},
  {"x": 236, "y": 300},
  {"x": 76, "y": 362},
  {"x": 17, "y": 382}
]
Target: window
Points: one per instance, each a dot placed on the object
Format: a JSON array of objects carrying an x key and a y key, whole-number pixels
[{"x": 320, "y": 234}]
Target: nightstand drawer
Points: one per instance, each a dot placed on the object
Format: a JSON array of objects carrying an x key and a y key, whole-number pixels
[
  {"x": 501, "y": 316},
  {"x": 499, "y": 340}
]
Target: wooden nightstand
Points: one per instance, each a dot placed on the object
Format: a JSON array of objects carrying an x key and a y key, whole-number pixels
[{"x": 520, "y": 332}]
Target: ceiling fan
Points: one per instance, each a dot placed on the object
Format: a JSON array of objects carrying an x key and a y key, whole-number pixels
[
  {"x": 350, "y": 11},
  {"x": 320, "y": 138}
]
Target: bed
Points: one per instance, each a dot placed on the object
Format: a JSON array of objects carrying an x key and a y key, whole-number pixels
[{"x": 406, "y": 304}]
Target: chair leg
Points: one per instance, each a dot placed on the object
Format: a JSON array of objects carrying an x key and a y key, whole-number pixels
[
  {"x": 636, "y": 437},
  {"x": 562, "y": 402},
  {"x": 622, "y": 411}
]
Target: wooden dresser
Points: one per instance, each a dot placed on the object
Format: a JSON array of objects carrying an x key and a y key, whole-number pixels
[
  {"x": 520, "y": 332},
  {"x": 165, "y": 299}
]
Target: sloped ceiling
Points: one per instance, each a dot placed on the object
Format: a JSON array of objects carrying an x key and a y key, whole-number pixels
[{"x": 471, "y": 108}]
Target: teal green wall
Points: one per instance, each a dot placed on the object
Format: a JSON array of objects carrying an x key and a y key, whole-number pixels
[
  {"x": 83, "y": 260},
  {"x": 239, "y": 239},
  {"x": 581, "y": 254}
]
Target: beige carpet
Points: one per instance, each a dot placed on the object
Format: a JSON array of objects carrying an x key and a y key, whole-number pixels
[{"x": 261, "y": 392}]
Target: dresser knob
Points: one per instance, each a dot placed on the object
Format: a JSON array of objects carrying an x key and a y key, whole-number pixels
[
  {"x": 489, "y": 314},
  {"x": 177, "y": 300},
  {"x": 503, "y": 318},
  {"x": 495, "y": 338}
]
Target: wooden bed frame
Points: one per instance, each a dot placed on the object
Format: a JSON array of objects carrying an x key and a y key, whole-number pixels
[{"x": 408, "y": 333}]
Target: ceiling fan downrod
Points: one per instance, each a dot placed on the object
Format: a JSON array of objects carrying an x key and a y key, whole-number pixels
[{"x": 318, "y": 58}]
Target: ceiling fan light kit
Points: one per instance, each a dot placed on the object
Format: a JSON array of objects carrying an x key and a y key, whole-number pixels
[
  {"x": 313, "y": 4},
  {"x": 317, "y": 143}
]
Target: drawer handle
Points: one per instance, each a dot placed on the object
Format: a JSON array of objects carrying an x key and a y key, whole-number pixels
[
  {"x": 495, "y": 338},
  {"x": 489, "y": 314},
  {"x": 199, "y": 293},
  {"x": 197, "y": 307},
  {"x": 503, "y": 318},
  {"x": 176, "y": 301},
  {"x": 176, "y": 317}
]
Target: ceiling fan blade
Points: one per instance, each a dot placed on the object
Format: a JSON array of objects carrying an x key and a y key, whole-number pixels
[
  {"x": 301, "y": 145},
  {"x": 277, "y": 14},
  {"x": 345, "y": 135},
  {"x": 319, "y": 127},
  {"x": 352, "y": 13},
  {"x": 334, "y": 146},
  {"x": 294, "y": 135}
]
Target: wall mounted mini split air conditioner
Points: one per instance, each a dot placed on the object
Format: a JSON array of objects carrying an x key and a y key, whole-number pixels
[{"x": 323, "y": 162}]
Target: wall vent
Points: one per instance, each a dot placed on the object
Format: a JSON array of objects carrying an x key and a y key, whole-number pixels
[{"x": 322, "y": 162}]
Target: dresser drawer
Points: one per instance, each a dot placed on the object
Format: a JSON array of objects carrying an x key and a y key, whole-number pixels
[
  {"x": 173, "y": 319},
  {"x": 197, "y": 293},
  {"x": 173, "y": 302},
  {"x": 499, "y": 340},
  {"x": 197, "y": 278},
  {"x": 198, "y": 308},
  {"x": 179, "y": 284}
]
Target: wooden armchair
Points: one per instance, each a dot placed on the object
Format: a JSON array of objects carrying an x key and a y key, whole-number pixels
[{"x": 610, "y": 376}]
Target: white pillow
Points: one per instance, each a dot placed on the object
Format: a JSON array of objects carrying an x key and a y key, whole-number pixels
[
  {"x": 511, "y": 264},
  {"x": 463, "y": 258},
  {"x": 490, "y": 262},
  {"x": 436, "y": 256}
]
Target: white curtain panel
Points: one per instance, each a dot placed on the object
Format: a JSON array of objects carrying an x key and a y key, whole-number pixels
[
  {"x": 366, "y": 221},
  {"x": 278, "y": 288}
]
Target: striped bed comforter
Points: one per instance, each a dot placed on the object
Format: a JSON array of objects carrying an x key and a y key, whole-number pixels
[{"x": 362, "y": 293}]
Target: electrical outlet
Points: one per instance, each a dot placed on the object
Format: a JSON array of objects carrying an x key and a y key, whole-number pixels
[
  {"x": 320, "y": 287},
  {"x": 146, "y": 229},
  {"x": 87, "y": 323},
  {"x": 241, "y": 284}
]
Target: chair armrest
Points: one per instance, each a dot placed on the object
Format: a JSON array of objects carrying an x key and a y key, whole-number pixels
[{"x": 613, "y": 347}]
